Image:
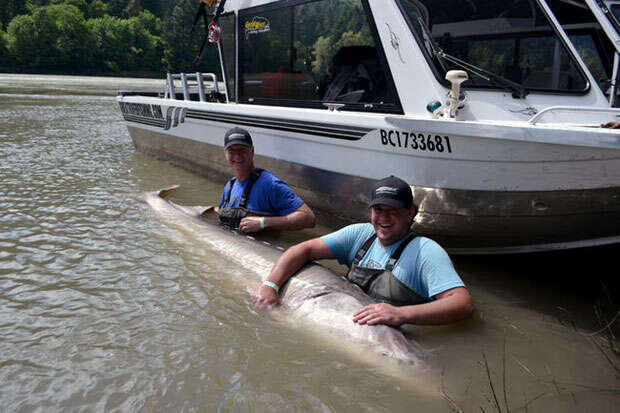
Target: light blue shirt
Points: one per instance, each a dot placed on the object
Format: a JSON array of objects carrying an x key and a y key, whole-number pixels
[{"x": 424, "y": 265}]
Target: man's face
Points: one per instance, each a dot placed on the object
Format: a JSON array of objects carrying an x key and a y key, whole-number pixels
[
  {"x": 391, "y": 224},
  {"x": 240, "y": 159}
]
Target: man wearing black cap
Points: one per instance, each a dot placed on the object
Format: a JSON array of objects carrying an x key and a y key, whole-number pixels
[
  {"x": 256, "y": 199},
  {"x": 412, "y": 276}
]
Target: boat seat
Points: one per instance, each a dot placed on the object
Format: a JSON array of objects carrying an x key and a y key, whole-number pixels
[{"x": 355, "y": 75}]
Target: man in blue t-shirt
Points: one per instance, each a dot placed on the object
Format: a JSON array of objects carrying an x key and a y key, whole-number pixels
[
  {"x": 256, "y": 199},
  {"x": 412, "y": 276}
]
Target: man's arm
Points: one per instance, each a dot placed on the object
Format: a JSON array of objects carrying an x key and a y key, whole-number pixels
[
  {"x": 301, "y": 218},
  {"x": 449, "y": 307},
  {"x": 292, "y": 260}
]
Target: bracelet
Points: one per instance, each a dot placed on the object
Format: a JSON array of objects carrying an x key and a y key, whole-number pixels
[
  {"x": 272, "y": 285},
  {"x": 262, "y": 222}
]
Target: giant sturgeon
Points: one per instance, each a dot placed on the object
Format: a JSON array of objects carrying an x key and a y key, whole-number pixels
[{"x": 315, "y": 296}]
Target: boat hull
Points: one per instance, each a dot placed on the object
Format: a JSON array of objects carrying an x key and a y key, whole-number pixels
[{"x": 466, "y": 221}]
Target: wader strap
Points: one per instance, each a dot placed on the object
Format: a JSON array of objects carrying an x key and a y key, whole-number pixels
[
  {"x": 393, "y": 259},
  {"x": 227, "y": 200},
  {"x": 396, "y": 256},
  {"x": 246, "y": 191},
  {"x": 363, "y": 250}
]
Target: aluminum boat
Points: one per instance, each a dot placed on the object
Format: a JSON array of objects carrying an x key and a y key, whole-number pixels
[{"x": 491, "y": 111}]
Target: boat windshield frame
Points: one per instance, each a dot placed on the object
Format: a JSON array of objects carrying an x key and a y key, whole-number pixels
[
  {"x": 394, "y": 107},
  {"x": 232, "y": 95},
  {"x": 435, "y": 61}
]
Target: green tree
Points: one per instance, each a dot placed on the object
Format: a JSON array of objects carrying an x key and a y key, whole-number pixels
[
  {"x": 125, "y": 45},
  {"x": 111, "y": 36},
  {"x": 54, "y": 37},
  {"x": 11, "y": 8},
  {"x": 96, "y": 8},
  {"x": 124, "y": 8},
  {"x": 147, "y": 47},
  {"x": 80, "y": 4},
  {"x": 5, "y": 57},
  {"x": 181, "y": 46},
  {"x": 117, "y": 7},
  {"x": 159, "y": 8},
  {"x": 134, "y": 7},
  {"x": 22, "y": 40}
]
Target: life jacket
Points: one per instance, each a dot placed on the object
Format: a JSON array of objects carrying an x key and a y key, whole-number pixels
[
  {"x": 231, "y": 216},
  {"x": 382, "y": 284}
]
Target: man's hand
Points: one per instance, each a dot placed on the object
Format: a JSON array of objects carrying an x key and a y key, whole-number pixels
[
  {"x": 611, "y": 125},
  {"x": 381, "y": 313},
  {"x": 265, "y": 297},
  {"x": 209, "y": 210},
  {"x": 250, "y": 224}
]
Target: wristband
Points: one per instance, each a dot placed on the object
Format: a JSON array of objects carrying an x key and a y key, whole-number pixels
[
  {"x": 272, "y": 285},
  {"x": 262, "y": 224}
]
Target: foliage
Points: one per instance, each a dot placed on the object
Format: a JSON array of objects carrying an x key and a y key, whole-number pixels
[
  {"x": 21, "y": 39},
  {"x": 5, "y": 57},
  {"x": 11, "y": 8},
  {"x": 97, "y": 8},
  {"x": 325, "y": 48},
  {"x": 80, "y": 4},
  {"x": 124, "y": 44},
  {"x": 181, "y": 46},
  {"x": 101, "y": 36},
  {"x": 53, "y": 37}
]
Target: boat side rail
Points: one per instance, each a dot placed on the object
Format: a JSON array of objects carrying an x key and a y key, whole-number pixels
[
  {"x": 199, "y": 86},
  {"x": 572, "y": 109}
]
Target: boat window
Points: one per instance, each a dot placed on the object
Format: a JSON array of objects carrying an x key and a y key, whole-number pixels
[
  {"x": 615, "y": 11},
  {"x": 512, "y": 39},
  {"x": 309, "y": 53},
  {"x": 586, "y": 34},
  {"x": 229, "y": 54}
]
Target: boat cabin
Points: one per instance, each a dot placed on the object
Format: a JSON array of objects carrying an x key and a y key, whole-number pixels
[{"x": 391, "y": 56}]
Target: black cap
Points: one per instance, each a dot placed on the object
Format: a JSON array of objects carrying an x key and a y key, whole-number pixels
[
  {"x": 392, "y": 191},
  {"x": 237, "y": 136}
]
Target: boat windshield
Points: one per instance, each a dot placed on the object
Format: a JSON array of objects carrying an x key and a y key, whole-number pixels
[
  {"x": 511, "y": 39},
  {"x": 588, "y": 37},
  {"x": 308, "y": 53}
]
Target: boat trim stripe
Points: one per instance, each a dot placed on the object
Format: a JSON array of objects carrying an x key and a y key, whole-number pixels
[
  {"x": 144, "y": 120},
  {"x": 351, "y": 133}
]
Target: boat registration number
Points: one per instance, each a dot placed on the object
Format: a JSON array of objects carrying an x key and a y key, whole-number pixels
[{"x": 416, "y": 141}]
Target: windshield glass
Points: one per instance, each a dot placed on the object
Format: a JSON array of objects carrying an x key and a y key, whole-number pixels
[
  {"x": 615, "y": 10},
  {"x": 586, "y": 34},
  {"x": 511, "y": 38}
]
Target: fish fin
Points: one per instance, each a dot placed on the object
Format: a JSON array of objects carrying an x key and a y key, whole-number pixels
[{"x": 163, "y": 193}]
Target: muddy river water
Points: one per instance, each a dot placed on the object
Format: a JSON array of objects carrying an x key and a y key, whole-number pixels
[{"x": 106, "y": 307}]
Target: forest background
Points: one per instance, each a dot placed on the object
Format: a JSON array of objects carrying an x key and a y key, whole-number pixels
[{"x": 99, "y": 37}]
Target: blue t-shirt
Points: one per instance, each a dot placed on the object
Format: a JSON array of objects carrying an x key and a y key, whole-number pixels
[
  {"x": 424, "y": 265},
  {"x": 269, "y": 194}
]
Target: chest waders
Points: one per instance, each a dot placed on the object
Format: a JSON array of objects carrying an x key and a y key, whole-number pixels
[
  {"x": 382, "y": 284},
  {"x": 232, "y": 216}
]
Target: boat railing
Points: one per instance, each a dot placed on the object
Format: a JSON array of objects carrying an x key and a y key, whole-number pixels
[
  {"x": 198, "y": 85},
  {"x": 572, "y": 109}
]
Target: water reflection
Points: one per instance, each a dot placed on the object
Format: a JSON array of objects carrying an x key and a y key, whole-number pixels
[{"x": 105, "y": 307}]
